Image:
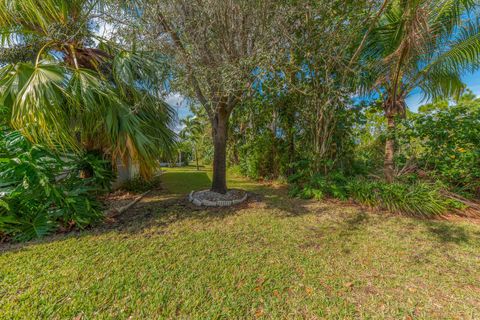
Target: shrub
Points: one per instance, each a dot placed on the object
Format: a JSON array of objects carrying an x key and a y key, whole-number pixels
[
  {"x": 415, "y": 199},
  {"x": 419, "y": 199},
  {"x": 41, "y": 191},
  {"x": 446, "y": 143},
  {"x": 333, "y": 185},
  {"x": 140, "y": 184},
  {"x": 257, "y": 159}
]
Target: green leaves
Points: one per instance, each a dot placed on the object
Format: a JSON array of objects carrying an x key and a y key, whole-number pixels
[
  {"x": 55, "y": 19},
  {"x": 41, "y": 191},
  {"x": 420, "y": 199},
  {"x": 450, "y": 143},
  {"x": 78, "y": 97},
  {"x": 415, "y": 199},
  {"x": 37, "y": 99},
  {"x": 56, "y": 105},
  {"x": 422, "y": 44}
]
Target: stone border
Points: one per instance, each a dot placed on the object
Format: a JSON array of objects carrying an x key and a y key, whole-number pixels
[{"x": 220, "y": 203}]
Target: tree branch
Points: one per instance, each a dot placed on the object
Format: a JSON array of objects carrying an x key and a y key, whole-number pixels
[
  {"x": 178, "y": 43},
  {"x": 365, "y": 36}
]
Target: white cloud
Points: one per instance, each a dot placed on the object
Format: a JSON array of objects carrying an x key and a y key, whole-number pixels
[
  {"x": 176, "y": 100},
  {"x": 180, "y": 104}
]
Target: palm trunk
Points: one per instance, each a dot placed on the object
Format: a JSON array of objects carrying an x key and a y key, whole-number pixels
[
  {"x": 290, "y": 132},
  {"x": 291, "y": 152},
  {"x": 388, "y": 165},
  {"x": 219, "y": 135},
  {"x": 86, "y": 173},
  {"x": 196, "y": 158}
]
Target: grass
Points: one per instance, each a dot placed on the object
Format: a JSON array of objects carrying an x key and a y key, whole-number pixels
[{"x": 273, "y": 258}]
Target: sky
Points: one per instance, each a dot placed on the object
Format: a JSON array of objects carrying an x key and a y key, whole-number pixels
[
  {"x": 471, "y": 80},
  {"x": 180, "y": 103}
]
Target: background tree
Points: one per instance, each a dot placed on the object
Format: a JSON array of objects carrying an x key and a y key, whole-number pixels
[
  {"x": 447, "y": 139},
  {"x": 301, "y": 113},
  {"x": 419, "y": 44},
  {"x": 192, "y": 134}
]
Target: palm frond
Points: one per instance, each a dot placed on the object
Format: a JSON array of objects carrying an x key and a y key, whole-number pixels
[
  {"x": 146, "y": 71},
  {"x": 463, "y": 51},
  {"x": 36, "y": 98},
  {"x": 448, "y": 14},
  {"x": 441, "y": 83}
]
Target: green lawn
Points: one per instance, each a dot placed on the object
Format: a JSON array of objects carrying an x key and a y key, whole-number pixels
[{"x": 272, "y": 258}]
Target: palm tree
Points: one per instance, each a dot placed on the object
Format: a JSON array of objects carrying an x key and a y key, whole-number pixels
[
  {"x": 423, "y": 44},
  {"x": 192, "y": 133},
  {"x": 74, "y": 89}
]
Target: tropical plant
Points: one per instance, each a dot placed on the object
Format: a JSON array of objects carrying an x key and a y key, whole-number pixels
[
  {"x": 421, "y": 44},
  {"x": 449, "y": 149},
  {"x": 418, "y": 199},
  {"x": 78, "y": 90},
  {"x": 40, "y": 190},
  {"x": 421, "y": 199}
]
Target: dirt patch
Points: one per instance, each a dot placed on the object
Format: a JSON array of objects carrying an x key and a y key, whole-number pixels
[{"x": 118, "y": 199}]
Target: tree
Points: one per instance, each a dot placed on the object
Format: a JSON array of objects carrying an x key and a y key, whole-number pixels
[
  {"x": 421, "y": 44},
  {"x": 450, "y": 147},
  {"x": 306, "y": 97},
  {"x": 191, "y": 133},
  {"x": 217, "y": 48},
  {"x": 78, "y": 90}
]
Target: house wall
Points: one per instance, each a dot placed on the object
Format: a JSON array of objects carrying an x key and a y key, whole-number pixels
[{"x": 125, "y": 172}]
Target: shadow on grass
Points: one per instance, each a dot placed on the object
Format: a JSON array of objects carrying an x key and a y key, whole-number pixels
[
  {"x": 450, "y": 233},
  {"x": 164, "y": 207},
  {"x": 356, "y": 221}
]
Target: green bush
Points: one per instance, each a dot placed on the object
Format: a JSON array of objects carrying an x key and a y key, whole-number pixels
[
  {"x": 41, "y": 191},
  {"x": 415, "y": 199},
  {"x": 419, "y": 199},
  {"x": 332, "y": 185},
  {"x": 257, "y": 159},
  {"x": 444, "y": 142}
]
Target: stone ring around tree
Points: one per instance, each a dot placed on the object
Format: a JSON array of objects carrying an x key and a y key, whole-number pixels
[{"x": 210, "y": 198}]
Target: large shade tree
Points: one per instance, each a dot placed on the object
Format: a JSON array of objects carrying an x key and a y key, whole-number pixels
[
  {"x": 218, "y": 49},
  {"x": 66, "y": 86},
  {"x": 424, "y": 44}
]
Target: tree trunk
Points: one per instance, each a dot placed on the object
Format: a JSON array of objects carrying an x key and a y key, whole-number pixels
[
  {"x": 196, "y": 158},
  {"x": 89, "y": 147},
  {"x": 219, "y": 135},
  {"x": 388, "y": 165},
  {"x": 288, "y": 126},
  {"x": 291, "y": 152},
  {"x": 274, "y": 162}
]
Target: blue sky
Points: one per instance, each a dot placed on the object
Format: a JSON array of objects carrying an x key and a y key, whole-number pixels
[{"x": 471, "y": 80}]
